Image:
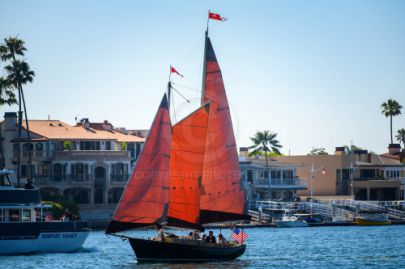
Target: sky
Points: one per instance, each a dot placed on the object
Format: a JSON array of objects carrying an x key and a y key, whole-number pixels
[{"x": 315, "y": 72}]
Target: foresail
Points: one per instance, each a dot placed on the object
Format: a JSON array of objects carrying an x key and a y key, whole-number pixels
[
  {"x": 186, "y": 164},
  {"x": 146, "y": 196},
  {"x": 223, "y": 196}
]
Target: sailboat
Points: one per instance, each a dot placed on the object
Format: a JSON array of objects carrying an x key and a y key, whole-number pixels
[{"x": 187, "y": 175}]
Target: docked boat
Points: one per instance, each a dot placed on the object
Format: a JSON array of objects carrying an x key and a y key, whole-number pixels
[
  {"x": 289, "y": 220},
  {"x": 23, "y": 228},
  {"x": 372, "y": 218},
  {"x": 187, "y": 175}
]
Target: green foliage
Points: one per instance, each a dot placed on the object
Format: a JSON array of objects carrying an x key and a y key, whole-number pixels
[
  {"x": 318, "y": 151},
  {"x": 59, "y": 204},
  {"x": 265, "y": 141},
  {"x": 7, "y": 95},
  {"x": 352, "y": 148},
  {"x": 67, "y": 145},
  {"x": 391, "y": 108},
  {"x": 124, "y": 145},
  {"x": 401, "y": 136}
]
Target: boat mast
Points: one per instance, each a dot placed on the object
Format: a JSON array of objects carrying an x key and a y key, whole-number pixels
[
  {"x": 204, "y": 76},
  {"x": 169, "y": 87}
]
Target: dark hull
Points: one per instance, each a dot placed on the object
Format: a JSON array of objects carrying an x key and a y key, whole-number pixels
[{"x": 149, "y": 250}]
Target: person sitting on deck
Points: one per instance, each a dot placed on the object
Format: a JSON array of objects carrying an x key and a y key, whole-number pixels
[
  {"x": 211, "y": 238},
  {"x": 196, "y": 235},
  {"x": 204, "y": 237},
  {"x": 67, "y": 216},
  {"x": 221, "y": 239},
  {"x": 29, "y": 185}
]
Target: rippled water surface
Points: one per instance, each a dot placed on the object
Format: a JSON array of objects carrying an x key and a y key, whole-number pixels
[{"x": 315, "y": 247}]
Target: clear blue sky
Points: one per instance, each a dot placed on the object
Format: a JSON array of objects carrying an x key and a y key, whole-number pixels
[{"x": 315, "y": 72}]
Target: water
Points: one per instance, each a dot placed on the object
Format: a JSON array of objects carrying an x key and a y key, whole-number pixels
[{"x": 316, "y": 247}]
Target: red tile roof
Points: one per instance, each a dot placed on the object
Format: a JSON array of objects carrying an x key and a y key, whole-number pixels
[{"x": 59, "y": 130}]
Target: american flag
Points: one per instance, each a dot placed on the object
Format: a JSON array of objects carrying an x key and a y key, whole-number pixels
[{"x": 238, "y": 235}]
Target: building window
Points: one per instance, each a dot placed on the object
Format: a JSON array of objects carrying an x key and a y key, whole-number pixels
[
  {"x": 89, "y": 145},
  {"x": 108, "y": 145},
  {"x": 26, "y": 215},
  {"x": 131, "y": 149},
  {"x": 275, "y": 174},
  {"x": 138, "y": 149},
  {"x": 80, "y": 171},
  {"x": 14, "y": 215},
  {"x": 119, "y": 171},
  {"x": 39, "y": 147},
  {"x": 288, "y": 174},
  {"x": 58, "y": 171},
  {"x": 25, "y": 172},
  {"x": 250, "y": 176},
  {"x": 43, "y": 170}
]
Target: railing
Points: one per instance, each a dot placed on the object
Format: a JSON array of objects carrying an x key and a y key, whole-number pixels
[
  {"x": 34, "y": 154},
  {"x": 90, "y": 153},
  {"x": 66, "y": 179},
  {"x": 281, "y": 182},
  {"x": 119, "y": 177},
  {"x": 373, "y": 205}
]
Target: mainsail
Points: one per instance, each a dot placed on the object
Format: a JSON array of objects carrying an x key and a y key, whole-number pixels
[
  {"x": 146, "y": 196},
  {"x": 186, "y": 164},
  {"x": 223, "y": 196}
]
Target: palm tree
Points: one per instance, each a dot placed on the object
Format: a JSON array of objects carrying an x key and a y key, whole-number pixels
[
  {"x": 390, "y": 109},
  {"x": 7, "y": 96},
  {"x": 401, "y": 136},
  {"x": 265, "y": 142},
  {"x": 18, "y": 73},
  {"x": 12, "y": 46}
]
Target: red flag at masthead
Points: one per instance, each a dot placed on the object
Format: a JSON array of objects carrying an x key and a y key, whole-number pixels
[
  {"x": 173, "y": 70},
  {"x": 216, "y": 16}
]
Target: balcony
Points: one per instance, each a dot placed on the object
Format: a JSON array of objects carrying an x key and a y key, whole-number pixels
[
  {"x": 90, "y": 154},
  {"x": 35, "y": 155},
  {"x": 119, "y": 180},
  {"x": 281, "y": 183},
  {"x": 63, "y": 181}
]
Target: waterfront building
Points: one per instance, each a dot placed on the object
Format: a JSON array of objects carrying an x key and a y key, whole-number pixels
[
  {"x": 277, "y": 182},
  {"x": 374, "y": 176},
  {"x": 87, "y": 162}
]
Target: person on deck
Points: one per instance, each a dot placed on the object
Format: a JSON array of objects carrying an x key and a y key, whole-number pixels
[
  {"x": 204, "y": 237},
  {"x": 211, "y": 238},
  {"x": 221, "y": 239},
  {"x": 196, "y": 235},
  {"x": 29, "y": 185}
]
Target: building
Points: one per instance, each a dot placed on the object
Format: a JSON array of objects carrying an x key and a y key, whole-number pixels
[
  {"x": 277, "y": 182},
  {"x": 87, "y": 162},
  {"x": 375, "y": 177}
]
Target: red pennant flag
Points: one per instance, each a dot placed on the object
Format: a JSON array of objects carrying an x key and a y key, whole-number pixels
[
  {"x": 216, "y": 16},
  {"x": 175, "y": 71}
]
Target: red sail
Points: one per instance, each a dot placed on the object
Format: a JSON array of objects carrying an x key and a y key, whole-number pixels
[
  {"x": 223, "y": 196},
  {"x": 146, "y": 196},
  {"x": 186, "y": 164}
]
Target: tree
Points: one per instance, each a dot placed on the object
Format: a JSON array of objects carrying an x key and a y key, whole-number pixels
[
  {"x": 318, "y": 151},
  {"x": 391, "y": 108},
  {"x": 7, "y": 95},
  {"x": 266, "y": 142},
  {"x": 351, "y": 148},
  {"x": 18, "y": 73},
  {"x": 401, "y": 136}
]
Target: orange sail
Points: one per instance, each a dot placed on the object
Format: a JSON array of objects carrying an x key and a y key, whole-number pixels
[
  {"x": 223, "y": 196},
  {"x": 186, "y": 164},
  {"x": 146, "y": 196}
]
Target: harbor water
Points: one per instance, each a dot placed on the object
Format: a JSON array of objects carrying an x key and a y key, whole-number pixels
[{"x": 314, "y": 247}]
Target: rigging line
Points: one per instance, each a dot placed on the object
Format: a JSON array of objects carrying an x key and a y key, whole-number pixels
[
  {"x": 189, "y": 88},
  {"x": 188, "y": 101}
]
